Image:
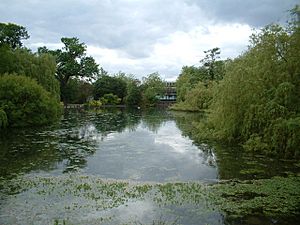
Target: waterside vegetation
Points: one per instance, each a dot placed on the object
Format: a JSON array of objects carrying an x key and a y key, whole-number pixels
[{"x": 253, "y": 100}]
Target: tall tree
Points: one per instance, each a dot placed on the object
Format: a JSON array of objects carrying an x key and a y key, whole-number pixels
[
  {"x": 12, "y": 35},
  {"x": 209, "y": 62},
  {"x": 72, "y": 62}
]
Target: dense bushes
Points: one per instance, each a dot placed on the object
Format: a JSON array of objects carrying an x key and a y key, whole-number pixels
[{"x": 25, "y": 102}]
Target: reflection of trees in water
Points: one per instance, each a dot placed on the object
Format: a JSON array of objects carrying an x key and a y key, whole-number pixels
[
  {"x": 187, "y": 122},
  {"x": 154, "y": 118},
  {"x": 231, "y": 161},
  {"x": 23, "y": 150}
]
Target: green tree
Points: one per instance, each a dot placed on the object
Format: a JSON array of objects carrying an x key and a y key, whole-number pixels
[
  {"x": 212, "y": 65},
  {"x": 134, "y": 93},
  {"x": 188, "y": 79},
  {"x": 78, "y": 91},
  {"x": 110, "y": 85},
  {"x": 258, "y": 102},
  {"x": 152, "y": 87},
  {"x": 25, "y": 102},
  {"x": 39, "y": 67},
  {"x": 72, "y": 62},
  {"x": 12, "y": 35}
]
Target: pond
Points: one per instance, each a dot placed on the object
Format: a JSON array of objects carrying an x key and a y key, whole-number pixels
[{"x": 114, "y": 166}]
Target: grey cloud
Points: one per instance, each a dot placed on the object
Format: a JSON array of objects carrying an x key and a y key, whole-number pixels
[
  {"x": 255, "y": 13},
  {"x": 133, "y": 27}
]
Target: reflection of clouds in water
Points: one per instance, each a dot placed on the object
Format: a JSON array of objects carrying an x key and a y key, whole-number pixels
[
  {"x": 167, "y": 135},
  {"x": 131, "y": 212},
  {"x": 136, "y": 211},
  {"x": 89, "y": 132}
]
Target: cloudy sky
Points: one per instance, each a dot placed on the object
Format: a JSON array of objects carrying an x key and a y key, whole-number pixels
[{"x": 145, "y": 36}]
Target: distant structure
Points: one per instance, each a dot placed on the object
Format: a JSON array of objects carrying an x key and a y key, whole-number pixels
[{"x": 170, "y": 93}]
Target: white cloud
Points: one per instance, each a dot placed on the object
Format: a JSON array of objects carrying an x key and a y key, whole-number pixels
[
  {"x": 142, "y": 37},
  {"x": 177, "y": 49}
]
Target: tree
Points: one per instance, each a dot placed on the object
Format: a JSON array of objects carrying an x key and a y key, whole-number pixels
[
  {"x": 152, "y": 88},
  {"x": 258, "y": 101},
  {"x": 12, "y": 35},
  {"x": 78, "y": 91},
  {"x": 210, "y": 63},
  {"x": 188, "y": 79},
  {"x": 25, "y": 102},
  {"x": 72, "y": 62},
  {"x": 39, "y": 67},
  {"x": 134, "y": 94},
  {"x": 110, "y": 85}
]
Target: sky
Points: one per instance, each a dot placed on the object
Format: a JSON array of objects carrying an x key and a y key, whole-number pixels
[{"x": 144, "y": 36}]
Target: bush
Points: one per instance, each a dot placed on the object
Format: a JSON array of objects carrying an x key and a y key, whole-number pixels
[
  {"x": 26, "y": 103},
  {"x": 93, "y": 104},
  {"x": 110, "y": 99}
]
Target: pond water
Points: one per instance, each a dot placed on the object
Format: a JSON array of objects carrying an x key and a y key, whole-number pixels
[{"x": 118, "y": 146}]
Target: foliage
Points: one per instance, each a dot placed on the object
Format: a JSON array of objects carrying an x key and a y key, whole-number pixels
[
  {"x": 93, "y": 104},
  {"x": 25, "y": 102},
  {"x": 110, "y": 85},
  {"x": 134, "y": 94},
  {"x": 210, "y": 64},
  {"x": 3, "y": 119},
  {"x": 188, "y": 79},
  {"x": 258, "y": 101},
  {"x": 78, "y": 91},
  {"x": 39, "y": 67},
  {"x": 110, "y": 99},
  {"x": 152, "y": 88},
  {"x": 199, "y": 98},
  {"x": 72, "y": 62},
  {"x": 12, "y": 34},
  {"x": 195, "y": 85}
]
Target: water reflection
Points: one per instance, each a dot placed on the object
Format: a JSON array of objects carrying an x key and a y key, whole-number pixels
[
  {"x": 151, "y": 145},
  {"x": 136, "y": 145}
]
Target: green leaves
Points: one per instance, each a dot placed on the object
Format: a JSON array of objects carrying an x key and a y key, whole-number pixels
[
  {"x": 72, "y": 62},
  {"x": 12, "y": 34},
  {"x": 26, "y": 103}
]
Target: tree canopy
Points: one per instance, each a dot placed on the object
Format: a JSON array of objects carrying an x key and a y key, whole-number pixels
[
  {"x": 12, "y": 35},
  {"x": 72, "y": 62},
  {"x": 110, "y": 85}
]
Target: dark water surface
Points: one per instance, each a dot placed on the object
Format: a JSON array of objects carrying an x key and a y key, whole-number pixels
[{"x": 132, "y": 146}]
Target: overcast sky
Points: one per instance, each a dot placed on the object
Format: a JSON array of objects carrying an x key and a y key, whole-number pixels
[{"x": 145, "y": 36}]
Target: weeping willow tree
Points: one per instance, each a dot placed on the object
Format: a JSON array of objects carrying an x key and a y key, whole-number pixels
[
  {"x": 258, "y": 101},
  {"x": 39, "y": 67}
]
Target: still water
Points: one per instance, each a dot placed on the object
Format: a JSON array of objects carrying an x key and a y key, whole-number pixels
[{"x": 114, "y": 145}]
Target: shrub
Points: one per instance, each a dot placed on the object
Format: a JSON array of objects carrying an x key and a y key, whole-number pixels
[
  {"x": 110, "y": 99},
  {"x": 93, "y": 104},
  {"x": 26, "y": 103}
]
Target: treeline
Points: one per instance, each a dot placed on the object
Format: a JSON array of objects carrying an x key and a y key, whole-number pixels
[
  {"x": 32, "y": 85},
  {"x": 256, "y": 101}
]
